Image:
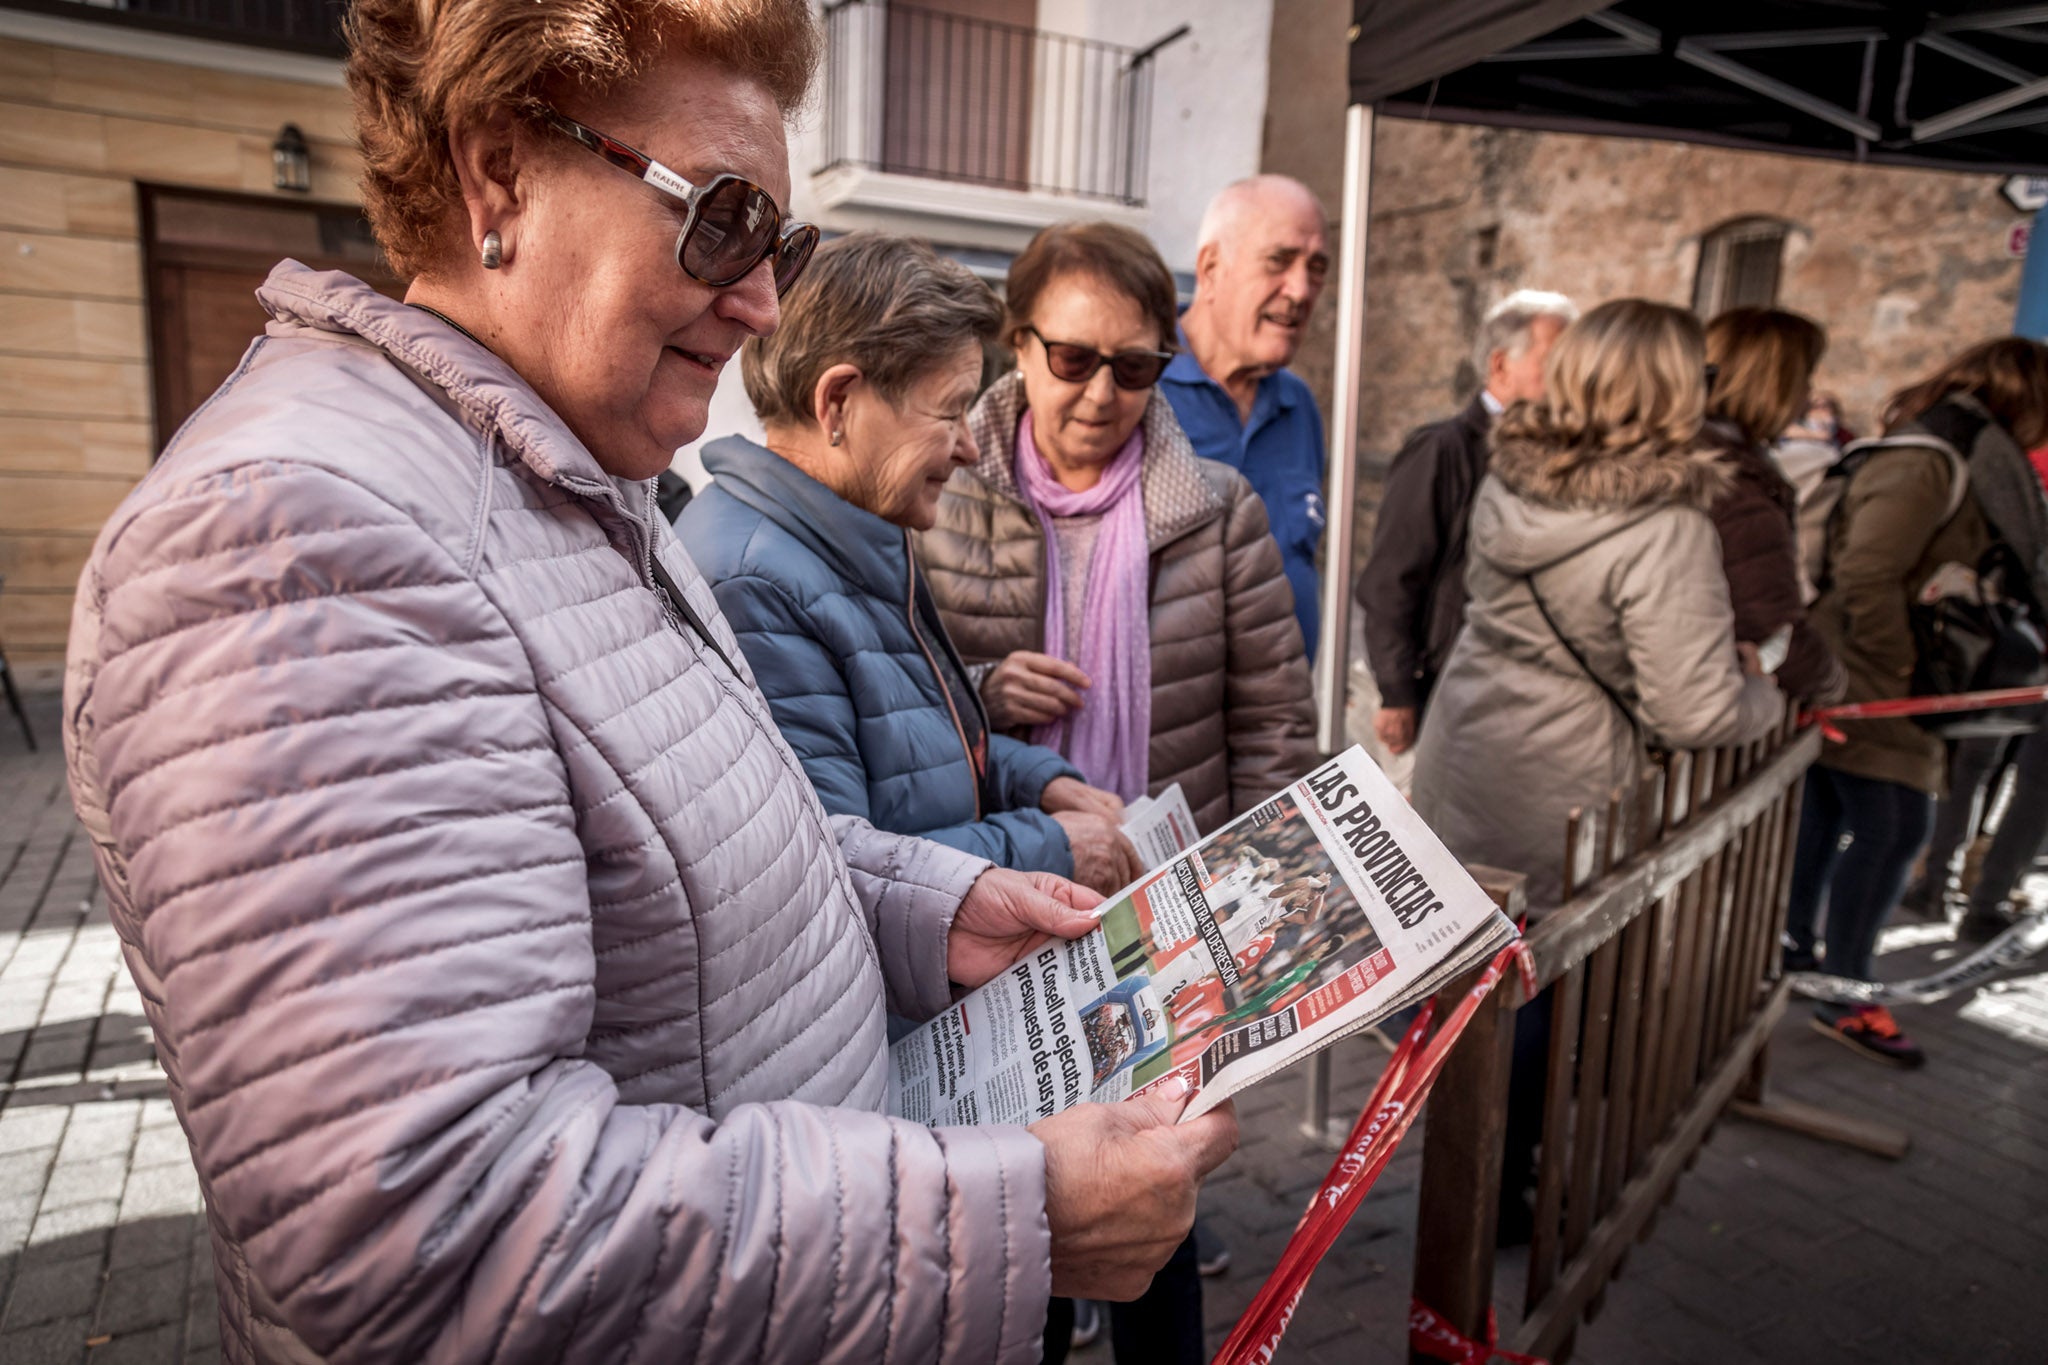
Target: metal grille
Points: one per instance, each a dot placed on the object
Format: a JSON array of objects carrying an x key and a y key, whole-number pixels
[
  {"x": 951, "y": 97},
  {"x": 1739, "y": 266}
]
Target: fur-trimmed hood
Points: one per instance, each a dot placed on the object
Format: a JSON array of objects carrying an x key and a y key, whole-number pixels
[
  {"x": 1598, "y": 482},
  {"x": 1538, "y": 507}
]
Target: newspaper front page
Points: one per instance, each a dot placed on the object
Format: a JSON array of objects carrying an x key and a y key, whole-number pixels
[{"x": 1315, "y": 915}]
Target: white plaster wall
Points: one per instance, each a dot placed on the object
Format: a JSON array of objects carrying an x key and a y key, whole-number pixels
[
  {"x": 1208, "y": 98},
  {"x": 1208, "y": 120}
]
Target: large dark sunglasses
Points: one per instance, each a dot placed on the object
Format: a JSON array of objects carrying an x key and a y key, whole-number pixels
[
  {"x": 732, "y": 224},
  {"x": 1132, "y": 370}
]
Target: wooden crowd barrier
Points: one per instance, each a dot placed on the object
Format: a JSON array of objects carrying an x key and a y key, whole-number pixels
[{"x": 1660, "y": 973}]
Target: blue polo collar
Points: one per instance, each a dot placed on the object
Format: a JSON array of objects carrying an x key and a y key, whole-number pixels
[{"x": 1185, "y": 369}]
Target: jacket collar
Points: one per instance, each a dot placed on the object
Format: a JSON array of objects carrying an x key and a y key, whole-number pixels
[
  {"x": 482, "y": 387},
  {"x": 1750, "y": 462},
  {"x": 1477, "y": 416},
  {"x": 1178, "y": 497},
  {"x": 1603, "y": 480},
  {"x": 865, "y": 550}
]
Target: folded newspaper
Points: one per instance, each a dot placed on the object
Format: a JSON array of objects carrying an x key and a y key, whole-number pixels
[{"x": 1316, "y": 915}]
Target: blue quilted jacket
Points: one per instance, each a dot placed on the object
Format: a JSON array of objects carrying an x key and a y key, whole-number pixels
[{"x": 821, "y": 595}]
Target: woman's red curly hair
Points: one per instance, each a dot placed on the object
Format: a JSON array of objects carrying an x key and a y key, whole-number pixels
[{"x": 418, "y": 68}]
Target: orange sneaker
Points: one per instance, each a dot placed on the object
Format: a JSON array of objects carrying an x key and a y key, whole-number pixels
[{"x": 1870, "y": 1030}]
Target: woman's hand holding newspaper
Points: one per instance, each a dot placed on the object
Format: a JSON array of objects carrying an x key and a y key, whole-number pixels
[
  {"x": 1120, "y": 1183},
  {"x": 1007, "y": 915}
]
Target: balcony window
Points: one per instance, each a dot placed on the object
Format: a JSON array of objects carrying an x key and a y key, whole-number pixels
[{"x": 939, "y": 94}]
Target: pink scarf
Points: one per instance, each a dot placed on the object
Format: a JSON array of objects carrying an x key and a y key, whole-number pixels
[{"x": 1109, "y": 737}]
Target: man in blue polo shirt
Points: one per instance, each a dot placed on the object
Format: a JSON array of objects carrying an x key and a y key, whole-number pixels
[{"x": 1260, "y": 263}]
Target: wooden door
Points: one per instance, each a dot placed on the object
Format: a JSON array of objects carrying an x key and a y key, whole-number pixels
[{"x": 205, "y": 256}]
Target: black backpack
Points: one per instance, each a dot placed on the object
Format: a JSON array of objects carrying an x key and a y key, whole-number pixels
[{"x": 1976, "y": 627}]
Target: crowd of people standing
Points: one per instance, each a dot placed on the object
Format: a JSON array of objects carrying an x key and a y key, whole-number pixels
[
  {"x": 524, "y": 894},
  {"x": 1669, "y": 545}
]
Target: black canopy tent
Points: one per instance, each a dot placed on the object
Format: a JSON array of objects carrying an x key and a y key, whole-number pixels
[
  {"x": 1964, "y": 86},
  {"x": 1958, "y": 86}
]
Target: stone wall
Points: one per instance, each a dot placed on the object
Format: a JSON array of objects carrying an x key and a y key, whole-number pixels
[
  {"x": 78, "y": 131},
  {"x": 1902, "y": 267}
]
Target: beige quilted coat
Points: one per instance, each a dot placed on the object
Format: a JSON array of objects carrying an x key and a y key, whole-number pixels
[
  {"x": 1232, "y": 715},
  {"x": 518, "y": 998}
]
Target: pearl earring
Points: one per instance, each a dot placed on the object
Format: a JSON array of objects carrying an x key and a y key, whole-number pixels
[
  {"x": 494, "y": 250},
  {"x": 835, "y": 436}
]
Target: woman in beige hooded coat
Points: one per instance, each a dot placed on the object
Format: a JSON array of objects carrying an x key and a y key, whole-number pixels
[{"x": 1599, "y": 620}]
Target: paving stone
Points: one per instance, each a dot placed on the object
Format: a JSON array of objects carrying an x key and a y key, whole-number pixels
[
  {"x": 17, "y": 1216},
  {"x": 26, "y": 1171},
  {"x": 23, "y": 1128},
  {"x": 158, "y": 1114},
  {"x": 160, "y": 1146},
  {"x": 49, "y": 1292},
  {"x": 158, "y": 1190},
  {"x": 52, "y": 1343},
  {"x": 151, "y": 1346},
  {"x": 101, "y": 1130},
  {"x": 83, "y": 1182},
  {"x": 92, "y": 1222},
  {"x": 151, "y": 1241},
  {"x": 143, "y": 1298}
]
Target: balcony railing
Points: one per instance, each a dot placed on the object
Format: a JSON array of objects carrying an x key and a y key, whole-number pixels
[
  {"x": 307, "y": 26},
  {"x": 944, "y": 96}
]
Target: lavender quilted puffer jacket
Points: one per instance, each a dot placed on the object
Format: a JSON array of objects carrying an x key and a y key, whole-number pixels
[{"x": 518, "y": 998}]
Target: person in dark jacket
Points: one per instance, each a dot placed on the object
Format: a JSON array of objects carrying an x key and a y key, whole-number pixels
[
  {"x": 864, "y": 393},
  {"x": 1950, "y": 478},
  {"x": 1760, "y": 363},
  {"x": 1413, "y": 586}
]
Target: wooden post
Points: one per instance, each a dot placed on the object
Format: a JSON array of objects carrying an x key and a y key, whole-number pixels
[{"x": 1461, "y": 1159}]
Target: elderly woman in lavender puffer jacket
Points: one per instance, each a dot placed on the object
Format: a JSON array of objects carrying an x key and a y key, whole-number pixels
[{"x": 517, "y": 997}]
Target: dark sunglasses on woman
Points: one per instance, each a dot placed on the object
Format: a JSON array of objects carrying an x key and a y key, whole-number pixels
[
  {"x": 731, "y": 226},
  {"x": 1131, "y": 370}
]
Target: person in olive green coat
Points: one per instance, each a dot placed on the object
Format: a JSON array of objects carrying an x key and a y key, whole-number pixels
[{"x": 1949, "y": 479}]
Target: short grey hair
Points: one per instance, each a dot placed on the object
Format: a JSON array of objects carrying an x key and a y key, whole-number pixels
[
  {"x": 891, "y": 305},
  {"x": 1506, "y": 326}
]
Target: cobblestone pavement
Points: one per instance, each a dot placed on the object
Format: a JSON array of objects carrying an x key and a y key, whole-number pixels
[{"x": 1776, "y": 1248}]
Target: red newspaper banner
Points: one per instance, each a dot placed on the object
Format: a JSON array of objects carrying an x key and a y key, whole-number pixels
[{"x": 1388, "y": 1114}]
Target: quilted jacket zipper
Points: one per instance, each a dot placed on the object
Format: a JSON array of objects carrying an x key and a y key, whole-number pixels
[{"x": 952, "y": 709}]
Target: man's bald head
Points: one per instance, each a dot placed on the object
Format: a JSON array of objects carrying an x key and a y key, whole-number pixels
[
  {"x": 1260, "y": 263},
  {"x": 1257, "y": 198}
]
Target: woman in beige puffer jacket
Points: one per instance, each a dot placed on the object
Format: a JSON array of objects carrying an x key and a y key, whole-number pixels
[
  {"x": 1103, "y": 582},
  {"x": 1232, "y": 716}
]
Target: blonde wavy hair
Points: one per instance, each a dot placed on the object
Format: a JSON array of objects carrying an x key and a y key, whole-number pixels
[
  {"x": 1628, "y": 378},
  {"x": 420, "y": 68}
]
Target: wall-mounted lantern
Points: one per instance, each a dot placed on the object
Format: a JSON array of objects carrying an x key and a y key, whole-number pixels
[{"x": 291, "y": 160}]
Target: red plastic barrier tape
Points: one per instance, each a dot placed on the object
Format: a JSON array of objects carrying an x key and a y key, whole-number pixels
[
  {"x": 1429, "y": 1335},
  {"x": 1389, "y": 1113},
  {"x": 1923, "y": 706}
]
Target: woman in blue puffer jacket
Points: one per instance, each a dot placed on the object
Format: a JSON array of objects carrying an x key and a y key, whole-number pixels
[{"x": 864, "y": 392}]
